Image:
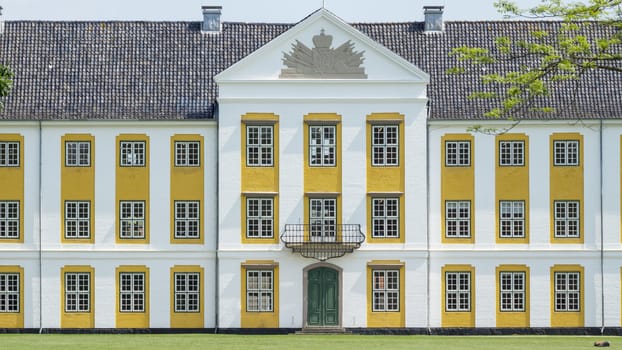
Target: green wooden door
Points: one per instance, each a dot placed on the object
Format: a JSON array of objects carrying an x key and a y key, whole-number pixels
[{"x": 323, "y": 297}]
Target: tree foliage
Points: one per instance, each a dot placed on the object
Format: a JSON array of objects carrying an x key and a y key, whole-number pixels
[
  {"x": 6, "y": 81},
  {"x": 545, "y": 58}
]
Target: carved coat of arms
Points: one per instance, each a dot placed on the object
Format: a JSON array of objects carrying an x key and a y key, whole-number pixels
[{"x": 322, "y": 61}]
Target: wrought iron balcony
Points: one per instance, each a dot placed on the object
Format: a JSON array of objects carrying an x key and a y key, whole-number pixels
[{"x": 322, "y": 241}]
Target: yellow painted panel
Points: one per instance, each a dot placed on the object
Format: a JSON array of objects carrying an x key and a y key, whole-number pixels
[
  {"x": 132, "y": 184},
  {"x": 402, "y": 224},
  {"x": 77, "y": 319},
  {"x": 379, "y": 319},
  {"x": 568, "y": 318},
  {"x": 457, "y": 183},
  {"x": 260, "y": 178},
  {"x": 322, "y": 179},
  {"x": 512, "y": 184},
  {"x": 518, "y": 318},
  {"x": 187, "y": 319},
  {"x": 12, "y": 180},
  {"x": 187, "y": 185},
  {"x": 385, "y": 178},
  {"x": 78, "y": 184},
  {"x": 269, "y": 319},
  {"x": 132, "y": 319},
  {"x": 458, "y": 318},
  {"x": 275, "y": 221},
  {"x": 14, "y": 319},
  {"x": 566, "y": 183}
]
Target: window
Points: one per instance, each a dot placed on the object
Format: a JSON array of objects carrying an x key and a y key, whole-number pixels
[
  {"x": 132, "y": 153},
  {"x": 259, "y": 217},
  {"x": 187, "y": 291},
  {"x": 511, "y": 153},
  {"x": 259, "y": 145},
  {"x": 77, "y": 292},
  {"x": 512, "y": 219},
  {"x": 323, "y": 219},
  {"x": 566, "y": 152},
  {"x": 259, "y": 290},
  {"x": 385, "y": 145},
  {"x": 458, "y": 219},
  {"x": 132, "y": 292},
  {"x": 512, "y": 291},
  {"x": 458, "y": 153},
  {"x": 386, "y": 290},
  {"x": 77, "y": 153},
  {"x": 9, "y": 154},
  {"x": 9, "y": 219},
  {"x": 132, "y": 219},
  {"x": 458, "y": 291},
  {"x": 322, "y": 143},
  {"x": 567, "y": 219},
  {"x": 385, "y": 217},
  {"x": 187, "y": 219},
  {"x": 187, "y": 153},
  {"x": 567, "y": 291},
  {"x": 9, "y": 292},
  {"x": 77, "y": 219}
]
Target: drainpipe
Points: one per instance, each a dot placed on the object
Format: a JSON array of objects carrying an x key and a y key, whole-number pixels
[
  {"x": 40, "y": 231},
  {"x": 602, "y": 248},
  {"x": 427, "y": 190},
  {"x": 217, "y": 248}
]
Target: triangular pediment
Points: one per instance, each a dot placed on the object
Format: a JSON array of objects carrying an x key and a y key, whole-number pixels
[{"x": 322, "y": 46}]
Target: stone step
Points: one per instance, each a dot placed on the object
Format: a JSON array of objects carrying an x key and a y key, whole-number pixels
[{"x": 323, "y": 330}]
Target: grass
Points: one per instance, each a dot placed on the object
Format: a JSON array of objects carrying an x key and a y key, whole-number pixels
[{"x": 298, "y": 342}]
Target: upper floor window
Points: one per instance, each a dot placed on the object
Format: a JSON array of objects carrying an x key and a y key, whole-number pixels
[
  {"x": 77, "y": 153},
  {"x": 457, "y": 153},
  {"x": 132, "y": 219},
  {"x": 511, "y": 219},
  {"x": 187, "y": 292},
  {"x": 386, "y": 290},
  {"x": 9, "y": 292},
  {"x": 259, "y": 217},
  {"x": 187, "y": 153},
  {"x": 567, "y": 219},
  {"x": 322, "y": 145},
  {"x": 132, "y": 292},
  {"x": 77, "y": 292},
  {"x": 458, "y": 219},
  {"x": 132, "y": 153},
  {"x": 77, "y": 219},
  {"x": 385, "y": 145},
  {"x": 9, "y": 154},
  {"x": 323, "y": 219},
  {"x": 9, "y": 219},
  {"x": 566, "y": 152},
  {"x": 511, "y": 153},
  {"x": 385, "y": 217},
  {"x": 187, "y": 219},
  {"x": 259, "y": 290},
  {"x": 512, "y": 291},
  {"x": 259, "y": 145}
]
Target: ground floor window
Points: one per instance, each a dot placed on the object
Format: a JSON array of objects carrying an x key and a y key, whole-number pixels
[
  {"x": 386, "y": 290},
  {"x": 259, "y": 290},
  {"x": 187, "y": 291}
]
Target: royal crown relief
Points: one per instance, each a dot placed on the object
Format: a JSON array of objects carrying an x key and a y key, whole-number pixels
[{"x": 322, "y": 61}]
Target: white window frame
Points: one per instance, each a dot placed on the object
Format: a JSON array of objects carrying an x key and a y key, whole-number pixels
[
  {"x": 259, "y": 290},
  {"x": 9, "y": 220},
  {"x": 322, "y": 145},
  {"x": 323, "y": 219},
  {"x": 131, "y": 219},
  {"x": 188, "y": 153},
  {"x": 385, "y": 290},
  {"x": 567, "y": 291},
  {"x": 511, "y": 219},
  {"x": 512, "y": 291},
  {"x": 567, "y": 219},
  {"x": 78, "y": 295},
  {"x": 259, "y": 145},
  {"x": 132, "y": 292},
  {"x": 9, "y": 153},
  {"x": 187, "y": 292},
  {"x": 385, "y": 147},
  {"x": 458, "y": 219},
  {"x": 187, "y": 219},
  {"x": 385, "y": 217},
  {"x": 132, "y": 153},
  {"x": 458, "y": 291},
  {"x": 78, "y": 153},
  {"x": 259, "y": 217},
  {"x": 566, "y": 152},
  {"x": 511, "y": 153},
  {"x": 458, "y": 153},
  {"x": 10, "y": 292},
  {"x": 78, "y": 216}
]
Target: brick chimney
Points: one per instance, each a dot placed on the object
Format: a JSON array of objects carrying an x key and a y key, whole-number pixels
[
  {"x": 211, "y": 19},
  {"x": 433, "y": 19}
]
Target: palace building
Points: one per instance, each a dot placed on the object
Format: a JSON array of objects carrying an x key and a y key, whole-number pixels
[{"x": 318, "y": 176}]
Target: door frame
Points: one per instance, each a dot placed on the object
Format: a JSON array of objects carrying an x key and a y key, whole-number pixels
[{"x": 305, "y": 286}]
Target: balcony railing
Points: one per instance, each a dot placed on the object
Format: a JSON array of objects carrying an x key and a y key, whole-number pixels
[{"x": 322, "y": 242}]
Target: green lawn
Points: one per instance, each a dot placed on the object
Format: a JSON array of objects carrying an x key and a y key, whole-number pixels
[{"x": 297, "y": 342}]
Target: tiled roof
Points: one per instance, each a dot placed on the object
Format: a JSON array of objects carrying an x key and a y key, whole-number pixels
[{"x": 165, "y": 70}]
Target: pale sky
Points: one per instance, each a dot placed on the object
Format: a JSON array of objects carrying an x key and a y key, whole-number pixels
[{"x": 272, "y": 11}]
